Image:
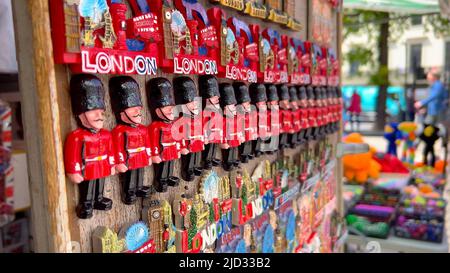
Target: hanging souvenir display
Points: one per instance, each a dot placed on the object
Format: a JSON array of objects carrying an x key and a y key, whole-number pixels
[
  {"x": 273, "y": 57},
  {"x": 191, "y": 128},
  {"x": 165, "y": 147},
  {"x": 234, "y": 4},
  {"x": 212, "y": 119},
  {"x": 276, "y": 13},
  {"x": 97, "y": 37},
  {"x": 299, "y": 61},
  {"x": 255, "y": 9},
  {"x": 88, "y": 151},
  {"x": 238, "y": 55},
  {"x": 247, "y": 119},
  {"x": 131, "y": 139},
  {"x": 233, "y": 134},
  {"x": 190, "y": 41}
]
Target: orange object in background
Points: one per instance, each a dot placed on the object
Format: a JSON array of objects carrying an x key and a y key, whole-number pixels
[
  {"x": 439, "y": 166},
  {"x": 360, "y": 167}
]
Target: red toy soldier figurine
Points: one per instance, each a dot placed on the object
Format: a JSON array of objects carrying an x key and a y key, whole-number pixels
[
  {"x": 165, "y": 147},
  {"x": 166, "y": 237},
  {"x": 212, "y": 119},
  {"x": 247, "y": 121},
  {"x": 131, "y": 138},
  {"x": 192, "y": 129},
  {"x": 232, "y": 134},
  {"x": 88, "y": 154},
  {"x": 273, "y": 119},
  {"x": 303, "y": 105},
  {"x": 319, "y": 131},
  {"x": 295, "y": 112},
  {"x": 259, "y": 100},
  {"x": 285, "y": 115}
]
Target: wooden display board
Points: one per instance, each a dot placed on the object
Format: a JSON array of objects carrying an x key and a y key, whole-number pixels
[{"x": 48, "y": 119}]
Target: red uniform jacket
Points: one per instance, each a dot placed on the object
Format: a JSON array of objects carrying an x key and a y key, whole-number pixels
[
  {"x": 232, "y": 131},
  {"x": 163, "y": 142},
  {"x": 296, "y": 120},
  {"x": 89, "y": 154},
  {"x": 248, "y": 124},
  {"x": 312, "y": 116},
  {"x": 286, "y": 121},
  {"x": 304, "y": 118},
  {"x": 192, "y": 132},
  {"x": 213, "y": 126},
  {"x": 263, "y": 125},
  {"x": 132, "y": 146},
  {"x": 273, "y": 120}
]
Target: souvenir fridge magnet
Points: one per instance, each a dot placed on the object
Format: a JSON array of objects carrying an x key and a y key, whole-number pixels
[
  {"x": 255, "y": 9},
  {"x": 292, "y": 23},
  {"x": 333, "y": 68},
  {"x": 158, "y": 216},
  {"x": 273, "y": 57},
  {"x": 232, "y": 134},
  {"x": 131, "y": 138},
  {"x": 319, "y": 65},
  {"x": 191, "y": 128},
  {"x": 234, "y": 4},
  {"x": 238, "y": 55},
  {"x": 190, "y": 41},
  {"x": 88, "y": 151},
  {"x": 259, "y": 103},
  {"x": 276, "y": 13},
  {"x": 137, "y": 238},
  {"x": 165, "y": 146},
  {"x": 104, "y": 240},
  {"x": 299, "y": 61},
  {"x": 98, "y": 37},
  {"x": 247, "y": 120},
  {"x": 212, "y": 119}
]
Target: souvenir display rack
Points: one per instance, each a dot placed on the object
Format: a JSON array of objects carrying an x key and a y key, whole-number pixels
[{"x": 133, "y": 38}]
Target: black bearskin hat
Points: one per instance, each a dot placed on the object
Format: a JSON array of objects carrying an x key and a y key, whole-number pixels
[
  {"x": 87, "y": 94},
  {"x": 208, "y": 86},
  {"x": 227, "y": 96},
  {"x": 258, "y": 93},
  {"x": 160, "y": 93},
  {"x": 241, "y": 92},
  {"x": 185, "y": 90}
]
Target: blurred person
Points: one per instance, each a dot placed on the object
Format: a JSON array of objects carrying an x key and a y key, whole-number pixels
[
  {"x": 355, "y": 110},
  {"x": 435, "y": 102}
]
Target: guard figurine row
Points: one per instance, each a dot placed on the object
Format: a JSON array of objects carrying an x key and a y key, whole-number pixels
[{"x": 243, "y": 122}]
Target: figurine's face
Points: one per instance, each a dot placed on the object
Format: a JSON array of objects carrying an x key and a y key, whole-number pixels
[
  {"x": 294, "y": 105},
  {"x": 311, "y": 103},
  {"x": 247, "y": 106},
  {"x": 273, "y": 105},
  {"x": 304, "y": 103},
  {"x": 284, "y": 104},
  {"x": 132, "y": 115},
  {"x": 193, "y": 107},
  {"x": 262, "y": 106},
  {"x": 93, "y": 119},
  {"x": 230, "y": 110},
  {"x": 166, "y": 113}
]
